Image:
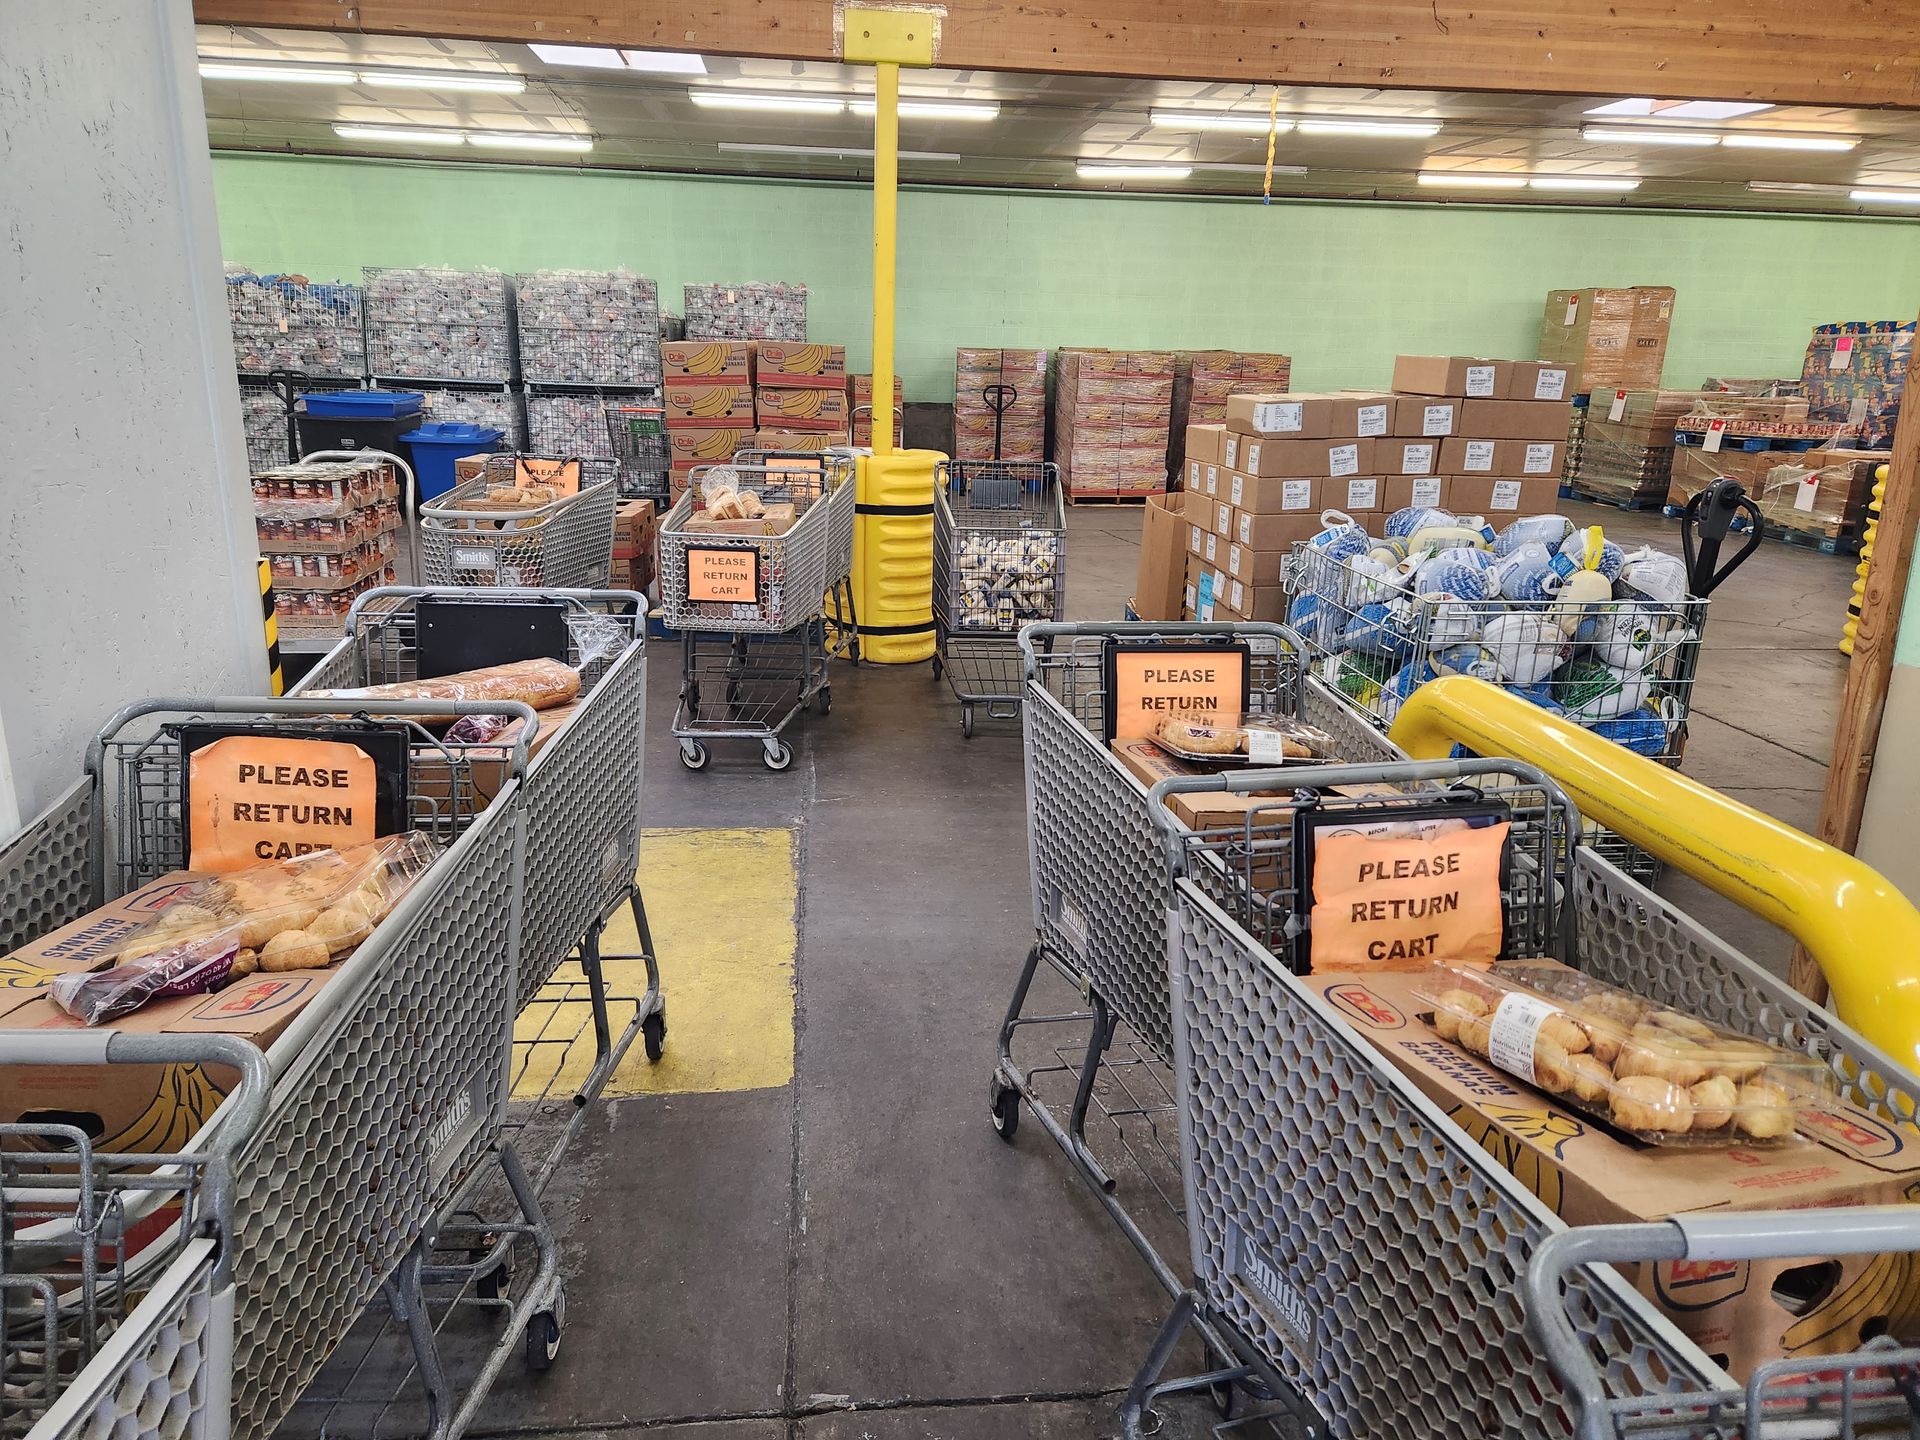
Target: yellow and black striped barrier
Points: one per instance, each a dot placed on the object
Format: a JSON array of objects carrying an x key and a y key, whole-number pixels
[{"x": 276, "y": 675}]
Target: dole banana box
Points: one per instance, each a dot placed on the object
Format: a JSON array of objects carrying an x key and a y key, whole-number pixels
[
  {"x": 789, "y": 363},
  {"x": 710, "y": 361},
  {"x": 700, "y": 446},
  {"x": 707, "y": 403}
]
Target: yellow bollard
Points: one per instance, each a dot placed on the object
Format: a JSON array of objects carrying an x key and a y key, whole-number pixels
[{"x": 893, "y": 555}]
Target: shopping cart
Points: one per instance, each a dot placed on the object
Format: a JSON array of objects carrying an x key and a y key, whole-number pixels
[
  {"x": 109, "y": 1328},
  {"x": 564, "y": 543},
  {"x": 389, "y": 1088},
  {"x": 999, "y": 562},
  {"x": 760, "y": 616},
  {"x": 1101, "y": 895},
  {"x": 638, "y": 434},
  {"x": 1362, "y": 1253}
]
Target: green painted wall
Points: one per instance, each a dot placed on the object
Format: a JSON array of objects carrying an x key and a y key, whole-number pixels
[{"x": 1340, "y": 287}]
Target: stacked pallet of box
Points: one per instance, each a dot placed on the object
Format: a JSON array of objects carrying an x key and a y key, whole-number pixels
[
  {"x": 1626, "y": 447},
  {"x": 1817, "y": 497},
  {"x": 1475, "y": 436},
  {"x": 1023, "y": 428},
  {"x": 1111, "y": 412},
  {"x": 864, "y": 410},
  {"x": 1259, "y": 483},
  {"x": 1854, "y": 373},
  {"x": 746, "y": 312},
  {"x": 799, "y": 390},
  {"x": 327, "y": 531},
  {"x": 707, "y": 392},
  {"x": 1203, "y": 379},
  {"x": 1617, "y": 339}
]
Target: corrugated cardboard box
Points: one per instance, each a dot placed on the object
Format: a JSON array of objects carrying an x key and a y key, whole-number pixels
[
  {"x": 1426, "y": 415},
  {"x": 1515, "y": 419},
  {"x": 1272, "y": 494},
  {"x": 709, "y": 404},
  {"x": 1741, "y": 1312},
  {"x": 800, "y": 408},
  {"x": 1401, "y": 456},
  {"x": 1355, "y": 494},
  {"x": 1451, "y": 375},
  {"x": 1206, "y": 544},
  {"x": 1543, "y": 380},
  {"x": 811, "y": 442},
  {"x": 701, "y": 446},
  {"x": 1255, "y": 567},
  {"x": 706, "y": 361},
  {"x": 1221, "y": 517},
  {"x": 797, "y": 363},
  {"x": 1308, "y": 415},
  {"x": 1274, "y": 531},
  {"x": 1618, "y": 338},
  {"x": 1205, "y": 442},
  {"x": 1256, "y": 602},
  {"x": 1206, "y": 810},
  {"x": 1163, "y": 563},
  {"x": 1428, "y": 491},
  {"x": 1334, "y": 456},
  {"x": 1480, "y": 495},
  {"x": 1461, "y": 456}
]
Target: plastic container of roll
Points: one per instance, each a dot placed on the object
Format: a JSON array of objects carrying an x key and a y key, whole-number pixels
[{"x": 1256, "y": 740}]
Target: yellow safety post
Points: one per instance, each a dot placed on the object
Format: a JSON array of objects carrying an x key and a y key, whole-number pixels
[
  {"x": 1863, "y": 932},
  {"x": 270, "y": 618},
  {"x": 893, "y": 530}
]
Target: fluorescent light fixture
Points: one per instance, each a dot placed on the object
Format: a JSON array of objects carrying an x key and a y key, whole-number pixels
[
  {"x": 285, "y": 74},
  {"x": 1582, "y": 182},
  {"x": 1680, "y": 109},
  {"x": 750, "y": 100},
  {"x": 1472, "y": 180},
  {"x": 1245, "y": 124},
  {"x": 936, "y": 109},
  {"x": 1633, "y": 135},
  {"x": 405, "y": 135},
  {"x": 592, "y": 57},
  {"x": 1885, "y": 197},
  {"x": 1094, "y": 170},
  {"x": 1244, "y": 169},
  {"x": 665, "y": 62},
  {"x": 476, "y": 80},
  {"x": 1743, "y": 141},
  {"x": 838, "y": 152},
  {"x": 1793, "y": 187},
  {"x": 1339, "y": 125},
  {"x": 510, "y": 140}
]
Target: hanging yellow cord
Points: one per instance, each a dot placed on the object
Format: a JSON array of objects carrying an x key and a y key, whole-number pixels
[{"x": 1273, "y": 130}]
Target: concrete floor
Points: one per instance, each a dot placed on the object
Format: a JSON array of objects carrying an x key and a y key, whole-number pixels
[{"x": 856, "y": 1255}]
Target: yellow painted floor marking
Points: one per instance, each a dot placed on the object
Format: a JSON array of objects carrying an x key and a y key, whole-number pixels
[{"x": 721, "y": 906}]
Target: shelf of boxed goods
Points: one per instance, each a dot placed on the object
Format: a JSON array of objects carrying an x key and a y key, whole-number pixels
[{"x": 329, "y": 534}]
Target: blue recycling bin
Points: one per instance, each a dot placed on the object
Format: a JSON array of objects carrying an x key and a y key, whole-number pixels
[
  {"x": 356, "y": 419},
  {"x": 437, "y": 444}
]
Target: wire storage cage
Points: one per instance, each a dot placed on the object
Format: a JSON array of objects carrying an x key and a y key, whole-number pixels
[
  {"x": 285, "y": 322},
  {"x": 999, "y": 562},
  {"x": 496, "y": 406},
  {"x": 585, "y": 327},
  {"x": 524, "y": 521},
  {"x": 434, "y": 323}
]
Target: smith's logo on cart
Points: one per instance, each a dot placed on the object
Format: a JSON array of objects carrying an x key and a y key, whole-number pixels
[
  {"x": 451, "y": 1132},
  {"x": 1070, "y": 921},
  {"x": 1263, "y": 1283}
]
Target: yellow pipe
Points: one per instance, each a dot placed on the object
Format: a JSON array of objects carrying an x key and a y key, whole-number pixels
[
  {"x": 1862, "y": 931},
  {"x": 886, "y": 215}
]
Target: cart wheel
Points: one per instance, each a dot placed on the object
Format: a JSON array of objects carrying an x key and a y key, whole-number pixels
[
  {"x": 653, "y": 1034},
  {"x": 824, "y": 700},
  {"x": 966, "y": 721},
  {"x": 543, "y": 1342},
  {"x": 493, "y": 1283},
  {"x": 777, "y": 756},
  {"x": 938, "y": 666},
  {"x": 1222, "y": 1394},
  {"x": 693, "y": 755},
  {"x": 1005, "y": 1103}
]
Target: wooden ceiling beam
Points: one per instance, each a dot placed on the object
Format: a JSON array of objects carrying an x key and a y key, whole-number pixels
[{"x": 1822, "y": 52}]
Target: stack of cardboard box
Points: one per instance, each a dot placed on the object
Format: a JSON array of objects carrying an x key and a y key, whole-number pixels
[
  {"x": 1202, "y": 381},
  {"x": 1616, "y": 338},
  {"x": 634, "y": 537},
  {"x": 1111, "y": 411},
  {"x": 800, "y": 393},
  {"x": 708, "y": 394},
  {"x": 1023, "y": 428},
  {"x": 1475, "y": 436},
  {"x": 1259, "y": 483},
  {"x": 864, "y": 409}
]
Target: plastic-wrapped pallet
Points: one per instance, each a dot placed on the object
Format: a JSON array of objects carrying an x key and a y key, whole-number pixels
[
  {"x": 1023, "y": 429},
  {"x": 1854, "y": 373},
  {"x": 588, "y": 327},
  {"x": 1203, "y": 379},
  {"x": 1629, "y": 460},
  {"x": 1112, "y": 409},
  {"x": 775, "y": 311},
  {"x": 286, "y": 322},
  {"x": 438, "y": 324}
]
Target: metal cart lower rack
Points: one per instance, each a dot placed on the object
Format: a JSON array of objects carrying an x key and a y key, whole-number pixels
[
  {"x": 105, "y": 1330},
  {"x": 1361, "y": 1252},
  {"x": 1101, "y": 894},
  {"x": 999, "y": 562},
  {"x": 564, "y": 543},
  {"x": 761, "y": 616}
]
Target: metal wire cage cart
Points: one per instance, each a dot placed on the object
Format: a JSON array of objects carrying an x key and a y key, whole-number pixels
[
  {"x": 638, "y": 435},
  {"x": 111, "y": 1329},
  {"x": 1101, "y": 895},
  {"x": 561, "y": 542},
  {"x": 1622, "y": 668},
  {"x": 1336, "y": 1212},
  {"x": 760, "y": 615},
  {"x": 999, "y": 562}
]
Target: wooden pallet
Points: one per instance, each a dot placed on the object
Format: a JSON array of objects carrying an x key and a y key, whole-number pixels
[
  {"x": 1813, "y": 540},
  {"x": 1110, "y": 497},
  {"x": 1751, "y": 444},
  {"x": 1618, "y": 502}
]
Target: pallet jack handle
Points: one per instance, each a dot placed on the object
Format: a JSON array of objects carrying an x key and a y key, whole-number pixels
[
  {"x": 1712, "y": 512},
  {"x": 999, "y": 399}
]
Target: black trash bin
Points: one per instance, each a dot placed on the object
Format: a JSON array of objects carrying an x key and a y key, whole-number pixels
[{"x": 357, "y": 419}]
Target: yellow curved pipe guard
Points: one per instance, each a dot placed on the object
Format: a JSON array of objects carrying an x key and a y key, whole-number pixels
[{"x": 1862, "y": 931}]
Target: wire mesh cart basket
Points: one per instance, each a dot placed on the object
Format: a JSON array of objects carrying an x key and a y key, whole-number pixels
[
  {"x": 1101, "y": 895},
  {"x": 111, "y": 1328},
  {"x": 999, "y": 562},
  {"x": 1362, "y": 1262},
  {"x": 558, "y": 541},
  {"x": 637, "y": 434},
  {"x": 761, "y": 615}
]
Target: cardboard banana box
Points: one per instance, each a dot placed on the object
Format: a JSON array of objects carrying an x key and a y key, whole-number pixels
[
  {"x": 706, "y": 360},
  {"x": 786, "y": 362},
  {"x": 713, "y": 405}
]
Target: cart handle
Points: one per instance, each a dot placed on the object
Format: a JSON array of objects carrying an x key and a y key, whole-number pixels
[
  {"x": 1322, "y": 777},
  {"x": 406, "y": 489},
  {"x": 1757, "y": 1235},
  {"x": 1863, "y": 932},
  {"x": 1048, "y": 630},
  {"x": 635, "y": 602}
]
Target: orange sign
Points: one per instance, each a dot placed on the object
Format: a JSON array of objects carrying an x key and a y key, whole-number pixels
[
  {"x": 1151, "y": 684},
  {"x": 259, "y": 797},
  {"x": 1400, "y": 903},
  {"x": 562, "y": 476},
  {"x": 726, "y": 575}
]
